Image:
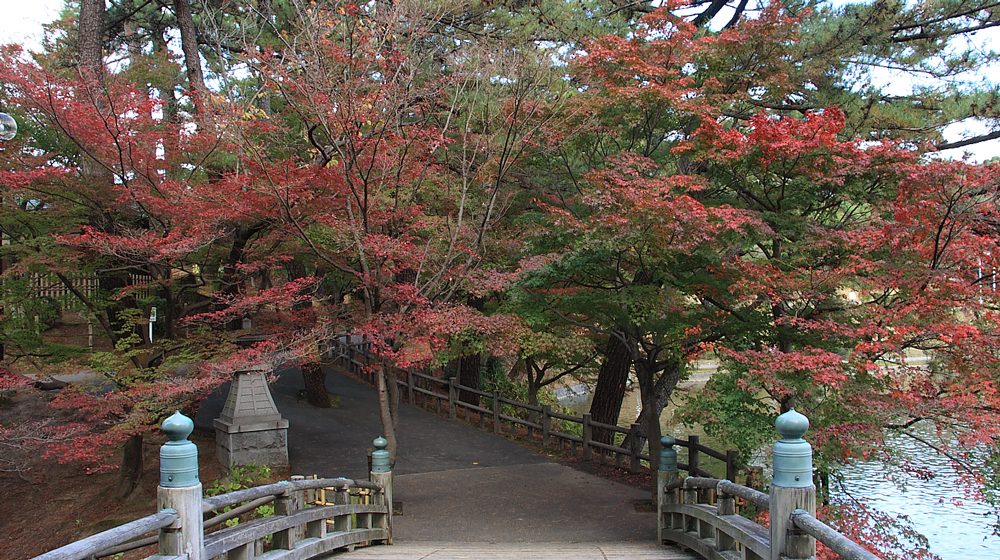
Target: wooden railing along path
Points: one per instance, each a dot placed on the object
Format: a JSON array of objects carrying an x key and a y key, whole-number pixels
[
  {"x": 514, "y": 418},
  {"x": 312, "y": 517},
  {"x": 700, "y": 513}
]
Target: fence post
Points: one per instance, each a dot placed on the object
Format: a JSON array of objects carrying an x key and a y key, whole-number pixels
[
  {"x": 791, "y": 488},
  {"x": 364, "y": 352},
  {"x": 588, "y": 435},
  {"x": 381, "y": 474},
  {"x": 634, "y": 448},
  {"x": 497, "y": 426},
  {"x": 180, "y": 490},
  {"x": 453, "y": 400},
  {"x": 731, "y": 470},
  {"x": 666, "y": 474},
  {"x": 546, "y": 425},
  {"x": 694, "y": 459},
  {"x": 409, "y": 387}
]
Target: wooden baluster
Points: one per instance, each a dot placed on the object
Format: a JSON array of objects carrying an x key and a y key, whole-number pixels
[
  {"x": 409, "y": 387},
  {"x": 726, "y": 506},
  {"x": 288, "y": 504},
  {"x": 342, "y": 497},
  {"x": 690, "y": 497},
  {"x": 588, "y": 434}
]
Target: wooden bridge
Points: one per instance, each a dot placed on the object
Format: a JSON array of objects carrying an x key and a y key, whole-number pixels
[{"x": 697, "y": 516}]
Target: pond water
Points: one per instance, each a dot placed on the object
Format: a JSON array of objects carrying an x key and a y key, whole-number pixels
[{"x": 956, "y": 528}]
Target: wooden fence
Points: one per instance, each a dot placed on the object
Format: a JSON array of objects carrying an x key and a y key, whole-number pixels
[
  {"x": 50, "y": 286},
  {"x": 521, "y": 420}
]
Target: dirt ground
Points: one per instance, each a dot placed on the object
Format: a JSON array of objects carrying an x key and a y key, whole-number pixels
[{"x": 47, "y": 505}]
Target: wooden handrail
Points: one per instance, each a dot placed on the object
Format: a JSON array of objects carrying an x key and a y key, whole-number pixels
[
  {"x": 94, "y": 544},
  {"x": 845, "y": 547},
  {"x": 711, "y": 530}
]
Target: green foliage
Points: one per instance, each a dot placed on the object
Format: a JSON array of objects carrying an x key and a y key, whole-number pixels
[
  {"x": 730, "y": 412},
  {"x": 241, "y": 478}
]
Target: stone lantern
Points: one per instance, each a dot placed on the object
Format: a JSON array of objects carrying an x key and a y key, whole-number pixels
[{"x": 250, "y": 429}]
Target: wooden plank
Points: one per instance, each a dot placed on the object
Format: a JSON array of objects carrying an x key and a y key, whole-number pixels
[{"x": 519, "y": 551}]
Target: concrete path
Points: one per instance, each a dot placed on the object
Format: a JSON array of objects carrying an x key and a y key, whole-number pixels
[
  {"x": 536, "y": 551},
  {"x": 456, "y": 483}
]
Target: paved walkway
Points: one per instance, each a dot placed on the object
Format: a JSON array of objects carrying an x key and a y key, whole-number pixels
[
  {"x": 456, "y": 483},
  {"x": 515, "y": 551}
]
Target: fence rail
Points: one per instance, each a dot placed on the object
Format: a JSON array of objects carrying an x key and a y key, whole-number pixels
[
  {"x": 703, "y": 514},
  {"x": 305, "y": 524},
  {"x": 302, "y": 527},
  {"x": 520, "y": 420},
  {"x": 92, "y": 545}
]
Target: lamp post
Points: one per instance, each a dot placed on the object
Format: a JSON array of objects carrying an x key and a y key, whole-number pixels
[{"x": 8, "y": 129}]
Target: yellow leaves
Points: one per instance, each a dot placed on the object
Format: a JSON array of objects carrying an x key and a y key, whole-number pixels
[{"x": 254, "y": 112}]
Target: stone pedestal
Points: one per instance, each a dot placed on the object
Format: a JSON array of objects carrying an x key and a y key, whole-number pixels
[{"x": 250, "y": 429}]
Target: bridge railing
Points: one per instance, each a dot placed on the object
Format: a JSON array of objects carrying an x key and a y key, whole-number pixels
[
  {"x": 312, "y": 517},
  {"x": 521, "y": 420},
  {"x": 689, "y": 516}
]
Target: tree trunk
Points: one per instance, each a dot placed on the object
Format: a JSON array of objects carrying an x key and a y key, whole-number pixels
[
  {"x": 468, "y": 375},
  {"x": 655, "y": 388},
  {"x": 130, "y": 472},
  {"x": 610, "y": 390},
  {"x": 393, "y": 393},
  {"x": 315, "y": 378},
  {"x": 189, "y": 45},
  {"x": 385, "y": 409},
  {"x": 90, "y": 38},
  {"x": 535, "y": 376}
]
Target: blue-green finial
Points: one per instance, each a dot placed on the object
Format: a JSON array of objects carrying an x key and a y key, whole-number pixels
[
  {"x": 178, "y": 427},
  {"x": 668, "y": 455},
  {"x": 380, "y": 457},
  {"x": 792, "y": 425},
  {"x": 792, "y": 454},
  {"x": 178, "y": 457}
]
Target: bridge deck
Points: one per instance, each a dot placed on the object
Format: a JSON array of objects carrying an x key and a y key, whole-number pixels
[{"x": 518, "y": 551}]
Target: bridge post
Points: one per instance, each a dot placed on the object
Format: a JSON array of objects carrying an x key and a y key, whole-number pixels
[
  {"x": 381, "y": 474},
  {"x": 180, "y": 490},
  {"x": 666, "y": 474},
  {"x": 791, "y": 488}
]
